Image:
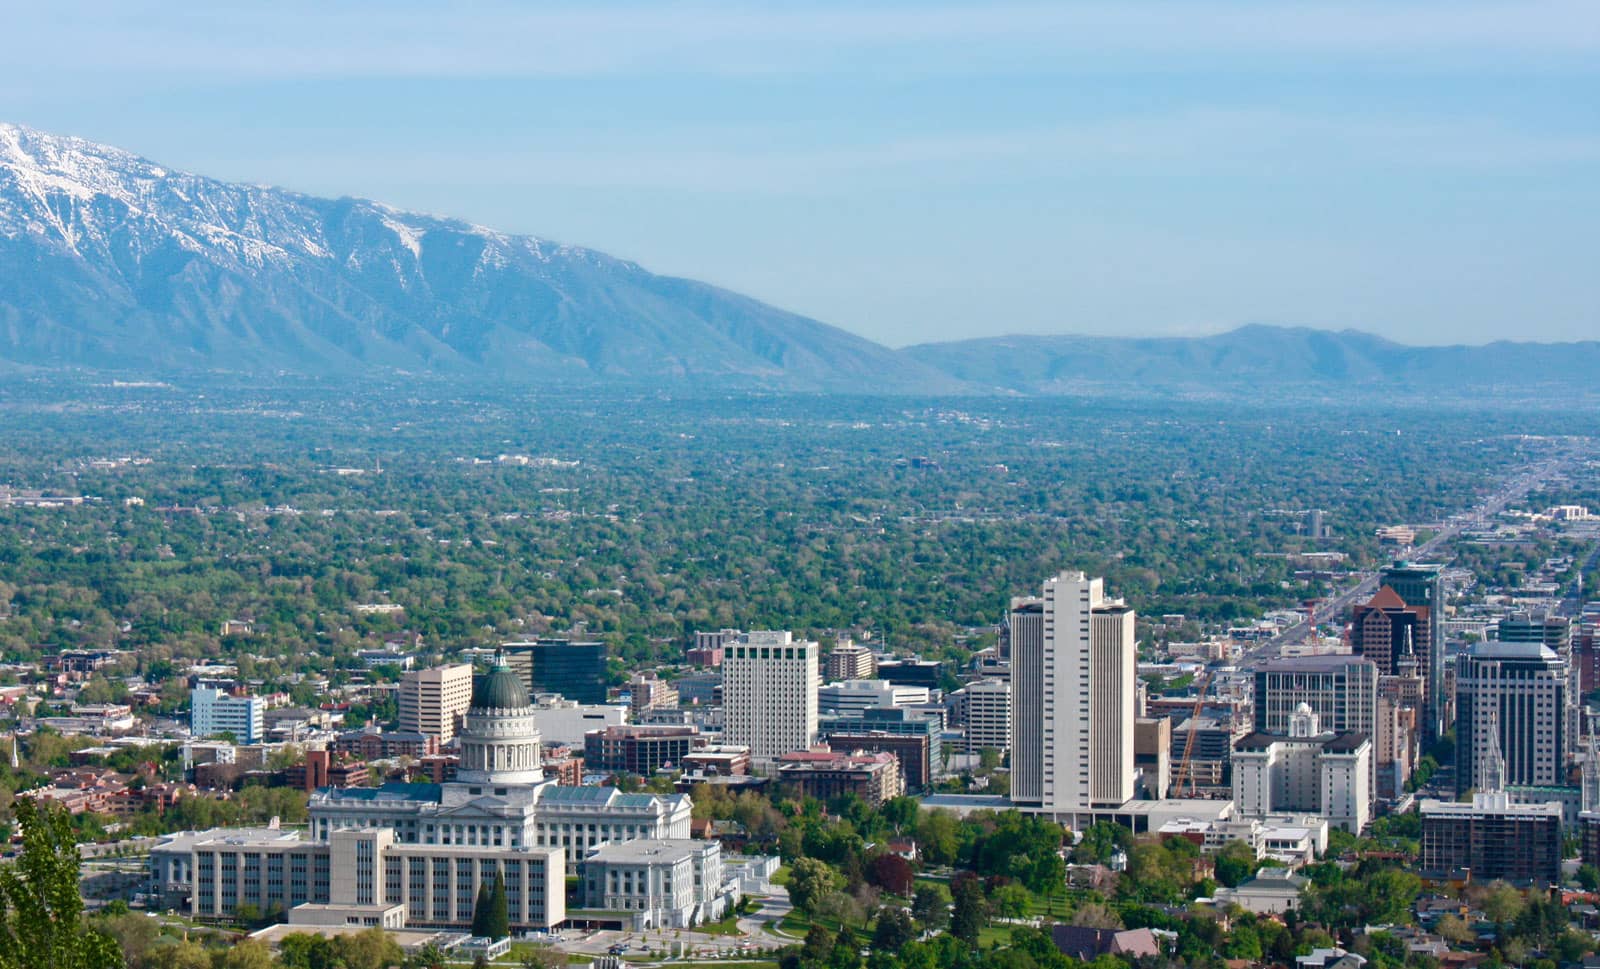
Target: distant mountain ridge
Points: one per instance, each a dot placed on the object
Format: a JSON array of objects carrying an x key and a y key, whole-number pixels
[
  {"x": 109, "y": 261},
  {"x": 1261, "y": 357}
]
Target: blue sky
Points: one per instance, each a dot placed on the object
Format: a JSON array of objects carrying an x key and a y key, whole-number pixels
[{"x": 1429, "y": 171}]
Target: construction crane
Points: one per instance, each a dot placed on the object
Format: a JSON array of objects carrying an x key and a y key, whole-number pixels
[{"x": 1185, "y": 768}]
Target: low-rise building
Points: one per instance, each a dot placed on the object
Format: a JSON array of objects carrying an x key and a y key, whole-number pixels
[
  {"x": 1272, "y": 891},
  {"x": 637, "y": 748},
  {"x": 719, "y": 760},
  {"x": 913, "y": 751},
  {"x": 852, "y": 697},
  {"x": 825, "y": 774},
  {"x": 371, "y": 743},
  {"x": 212, "y": 874},
  {"x": 662, "y": 883}
]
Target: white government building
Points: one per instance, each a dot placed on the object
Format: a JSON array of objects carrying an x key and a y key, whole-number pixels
[
  {"x": 1309, "y": 770},
  {"x": 416, "y": 854}
]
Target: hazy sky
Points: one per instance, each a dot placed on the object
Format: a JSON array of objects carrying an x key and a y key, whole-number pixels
[{"x": 916, "y": 171}]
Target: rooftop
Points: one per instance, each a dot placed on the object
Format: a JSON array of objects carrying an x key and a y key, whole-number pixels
[
  {"x": 1325, "y": 662},
  {"x": 392, "y": 791},
  {"x": 648, "y": 850}
]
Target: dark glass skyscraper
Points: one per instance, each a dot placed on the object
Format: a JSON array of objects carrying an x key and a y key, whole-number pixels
[{"x": 576, "y": 670}]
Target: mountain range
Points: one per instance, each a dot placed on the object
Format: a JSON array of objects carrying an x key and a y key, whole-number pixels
[{"x": 109, "y": 261}]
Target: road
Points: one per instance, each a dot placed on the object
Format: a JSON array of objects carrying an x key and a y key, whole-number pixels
[
  {"x": 1573, "y": 605},
  {"x": 1338, "y": 605}
]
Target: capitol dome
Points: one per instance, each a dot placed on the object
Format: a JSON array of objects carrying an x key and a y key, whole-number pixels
[
  {"x": 499, "y": 689},
  {"x": 499, "y": 739}
]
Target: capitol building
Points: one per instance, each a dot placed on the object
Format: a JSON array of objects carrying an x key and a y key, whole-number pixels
[{"x": 414, "y": 855}]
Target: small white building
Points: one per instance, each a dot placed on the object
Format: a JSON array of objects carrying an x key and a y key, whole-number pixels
[
  {"x": 850, "y": 697},
  {"x": 663, "y": 883},
  {"x": 1272, "y": 892}
]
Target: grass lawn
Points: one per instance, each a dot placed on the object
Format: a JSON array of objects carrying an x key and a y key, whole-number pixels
[
  {"x": 728, "y": 926},
  {"x": 520, "y": 949},
  {"x": 798, "y": 925},
  {"x": 1060, "y": 906},
  {"x": 781, "y": 876}
]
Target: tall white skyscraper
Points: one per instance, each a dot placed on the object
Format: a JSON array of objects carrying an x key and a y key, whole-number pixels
[
  {"x": 769, "y": 694},
  {"x": 1073, "y": 660}
]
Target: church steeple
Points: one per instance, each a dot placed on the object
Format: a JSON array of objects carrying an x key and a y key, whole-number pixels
[
  {"x": 1492, "y": 764},
  {"x": 1590, "y": 798}
]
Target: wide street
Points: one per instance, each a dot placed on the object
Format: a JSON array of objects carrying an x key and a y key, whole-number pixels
[{"x": 1337, "y": 606}]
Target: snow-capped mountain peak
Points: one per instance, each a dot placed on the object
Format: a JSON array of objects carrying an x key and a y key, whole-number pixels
[{"x": 110, "y": 259}]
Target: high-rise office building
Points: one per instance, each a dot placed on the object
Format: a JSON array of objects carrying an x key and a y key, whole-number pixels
[
  {"x": 1547, "y": 629},
  {"x": 987, "y": 715},
  {"x": 1072, "y": 661},
  {"x": 1513, "y": 695},
  {"x": 213, "y": 712},
  {"x": 1553, "y": 631},
  {"x": 769, "y": 694},
  {"x": 432, "y": 702},
  {"x": 1390, "y": 633},
  {"x": 1341, "y": 690},
  {"x": 1421, "y": 586},
  {"x": 576, "y": 670}
]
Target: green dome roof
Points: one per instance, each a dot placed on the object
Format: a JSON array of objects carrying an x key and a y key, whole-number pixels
[{"x": 499, "y": 689}]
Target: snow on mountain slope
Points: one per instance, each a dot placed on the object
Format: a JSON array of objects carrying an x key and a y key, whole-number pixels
[{"x": 110, "y": 260}]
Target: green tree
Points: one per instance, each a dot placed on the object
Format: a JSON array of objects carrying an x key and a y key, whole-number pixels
[
  {"x": 810, "y": 880},
  {"x": 499, "y": 913},
  {"x": 1011, "y": 900},
  {"x": 1502, "y": 903},
  {"x": 249, "y": 954},
  {"x": 301, "y": 950},
  {"x": 894, "y": 929},
  {"x": 480, "y": 912},
  {"x": 1589, "y": 877},
  {"x": 931, "y": 907},
  {"x": 971, "y": 911},
  {"x": 173, "y": 954},
  {"x": 1242, "y": 943},
  {"x": 1452, "y": 929},
  {"x": 939, "y": 835},
  {"x": 369, "y": 949},
  {"x": 819, "y": 942},
  {"x": 844, "y": 954},
  {"x": 41, "y": 912},
  {"x": 1235, "y": 863}
]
